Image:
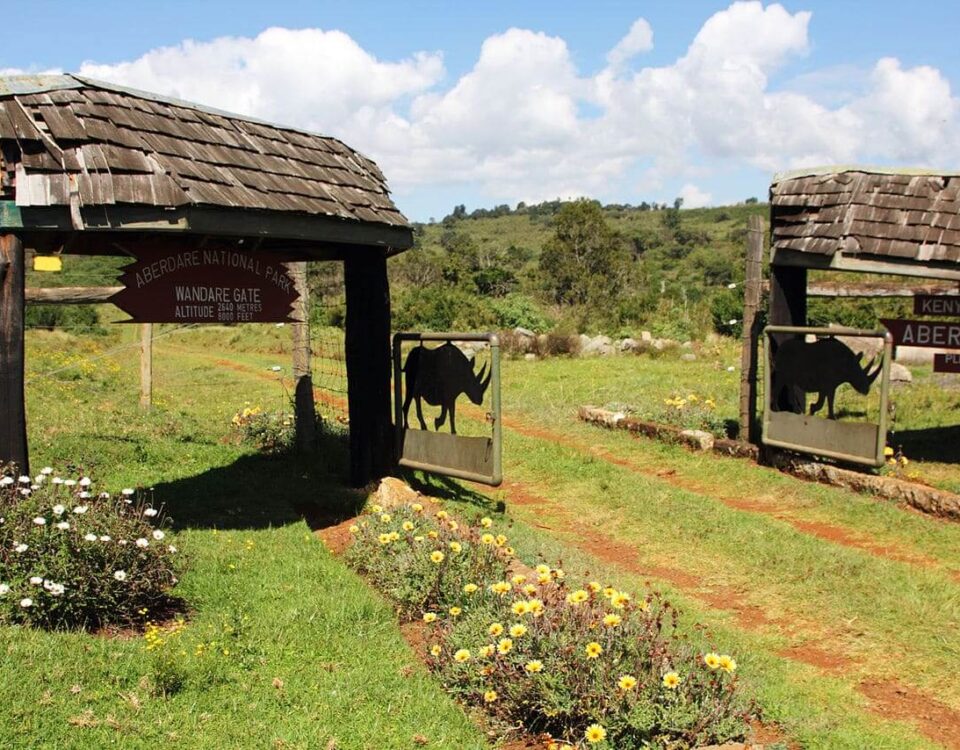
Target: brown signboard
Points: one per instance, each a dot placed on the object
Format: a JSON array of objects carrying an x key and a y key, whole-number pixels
[
  {"x": 936, "y": 304},
  {"x": 206, "y": 285},
  {"x": 946, "y": 362},
  {"x": 937, "y": 334}
]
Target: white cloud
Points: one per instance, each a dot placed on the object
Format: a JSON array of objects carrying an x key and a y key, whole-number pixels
[
  {"x": 694, "y": 197},
  {"x": 638, "y": 39},
  {"x": 513, "y": 127}
]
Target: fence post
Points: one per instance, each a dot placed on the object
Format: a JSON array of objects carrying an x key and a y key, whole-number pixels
[
  {"x": 749, "y": 351},
  {"x": 303, "y": 404},
  {"x": 146, "y": 366},
  {"x": 13, "y": 419}
]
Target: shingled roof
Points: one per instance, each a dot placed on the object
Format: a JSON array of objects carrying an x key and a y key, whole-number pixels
[
  {"x": 70, "y": 141},
  {"x": 906, "y": 214}
]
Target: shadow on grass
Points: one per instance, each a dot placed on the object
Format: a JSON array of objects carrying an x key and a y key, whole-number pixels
[
  {"x": 260, "y": 491},
  {"x": 931, "y": 444},
  {"x": 447, "y": 488}
]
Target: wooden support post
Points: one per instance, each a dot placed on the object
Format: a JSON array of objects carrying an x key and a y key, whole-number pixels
[
  {"x": 303, "y": 405},
  {"x": 788, "y": 307},
  {"x": 367, "y": 349},
  {"x": 146, "y": 366},
  {"x": 13, "y": 417},
  {"x": 748, "y": 357}
]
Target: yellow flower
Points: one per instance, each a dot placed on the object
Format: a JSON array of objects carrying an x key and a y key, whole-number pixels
[
  {"x": 470, "y": 588},
  {"x": 595, "y": 587},
  {"x": 520, "y": 607},
  {"x": 500, "y": 540},
  {"x": 612, "y": 620},
  {"x": 505, "y": 646},
  {"x": 418, "y": 539},
  {"x": 593, "y": 650},
  {"x": 727, "y": 664},
  {"x": 518, "y": 579},
  {"x": 488, "y": 539},
  {"x": 558, "y": 574},
  {"x": 533, "y": 666},
  {"x": 384, "y": 539},
  {"x": 619, "y": 600},
  {"x": 435, "y": 650},
  {"x": 441, "y": 514},
  {"x": 543, "y": 570},
  {"x": 455, "y": 611},
  {"x": 490, "y": 696},
  {"x": 385, "y": 518},
  {"x": 456, "y": 548},
  {"x": 609, "y": 591},
  {"x": 417, "y": 508},
  {"x": 543, "y": 579},
  {"x": 354, "y": 529},
  {"x": 432, "y": 534},
  {"x": 436, "y": 557},
  {"x": 518, "y": 630},
  {"x": 487, "y": 651},
  {"x": 627, "y": 682},
  {"x": 535, "y": 607},
  {"x": 643, "y": 605},
  {"x": 888, "y": 451},
  {"x": 671, "y": 680},
  {"x": 577, "y": 597},
  {"x": 376, "y": 508},
  {"x": 462, "y": 655},
  {"x": 394, "y": 536},
  {"x": 509, "y": 551},
  {"x": 712, "y": 660},
  {"x": 595, "y": 733},
  {"x": 429, "y": 617},
  {"x": 407, "y": 526},
  {"x": 495, "y": 629},
  {"x": 486, "y": 522},
  {"x": 501, "y": 587},
  {"x": 529, "y": 589}
]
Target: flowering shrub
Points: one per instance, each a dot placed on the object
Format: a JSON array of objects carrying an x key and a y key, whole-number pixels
[
  {"x": 423, "y": 560},
  {"x": 74, "y": 558},
  {"x": 591, "y": 666},
  {"x": 687, "y": 411},
  {"x": 270, "y": 432}
]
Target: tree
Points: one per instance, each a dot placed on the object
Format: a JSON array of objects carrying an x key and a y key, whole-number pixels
[{"x": 585, "y": 261}]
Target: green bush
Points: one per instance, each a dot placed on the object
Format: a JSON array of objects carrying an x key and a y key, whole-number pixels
[
  {"x": 83, "y": 318},
  {"x": 520, "y": 311},
  {"x": 73, "y": 558},
  {"x": 590, "y": 666},
  {"x": 440, "y": 308},
  {"x": 268, "y": 431}
]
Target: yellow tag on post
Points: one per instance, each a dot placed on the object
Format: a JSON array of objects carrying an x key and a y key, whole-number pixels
[{"x": 47, "y": 263}]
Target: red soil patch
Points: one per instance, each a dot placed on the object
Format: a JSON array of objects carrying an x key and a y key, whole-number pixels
[
  {"x": 818, "y": 657},
  {"x": 936, "y": 721},
  {"x": 417, "y": 635},
  {"x": 337, "y": 537}
]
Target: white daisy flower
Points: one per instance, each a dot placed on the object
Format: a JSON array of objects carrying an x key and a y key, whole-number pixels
[
  {"x": 85, "y": 482},
  {"x": 46, "y": 470},
  {"x": 122, "y": 542},
  {"x": 4, "y": 589},
  {"x": 58, "y": 510},
  {"x": 25, "y": 491},
  {"x": 6, "y": 481},
  {"x": 63, "y": 525},
  {"x": 57, "y": 589},
  {"x": 90, "y": 537},
  {"x": 57, "y": 480},
  {"x": 120, "y": 575},
  {"x": 127, "y": 491},
  {"x": 172, "y": 550},
  {"x": 104, "y": 495},
  {"x": 141, "y": 542},
  {"x": 158, "y": 535},
  {"x": 26, "y": 602},
  {"x": 38, "y": 479},
  {"x": 35, "y": 580},
  {"x": 84, "y": 495},
  {"x": 40, "y": 521},
  {"x": 149, "y": 512},
  {"x": 69, "y": 482},
  {"x": 25, "y": 480},
  {"x": 80, "y": 509},
  {"x": 105, "y": 538},
  {"x": 21, "y": 547}
]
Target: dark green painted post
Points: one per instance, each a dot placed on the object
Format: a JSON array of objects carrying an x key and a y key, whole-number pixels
[{"x": 13, "y": 419}]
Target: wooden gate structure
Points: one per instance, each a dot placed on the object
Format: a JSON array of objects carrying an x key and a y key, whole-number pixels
[
  {"x": 91, "y": 168},
  {"x": 861, "y": 220}
]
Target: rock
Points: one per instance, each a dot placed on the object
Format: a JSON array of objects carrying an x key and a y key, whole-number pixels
[
  {"x": 629, "y": 345},
  {"x": 597, "y": 346},
  {"x": 688, "y": 357},
  {"x": 687, "y": 345},
  {"x": 530, "y": 357},
  {"x": 900, "y": 373},
  {"x": 524, "y": 333},
  {"x": 697, "y": 439},
  {"x": 393, "y": 492},
  {"x": 646, "y": 336}
]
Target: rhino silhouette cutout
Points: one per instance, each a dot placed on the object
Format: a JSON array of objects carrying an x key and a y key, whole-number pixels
[
  {"x": 438, "y": 376},
  {"x": 819, "y": 367}
]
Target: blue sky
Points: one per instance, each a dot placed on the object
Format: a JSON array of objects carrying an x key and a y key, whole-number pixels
[{"x": 706, "y": 99}]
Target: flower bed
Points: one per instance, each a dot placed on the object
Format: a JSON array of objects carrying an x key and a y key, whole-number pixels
[
  {"x": 589, "y": 665},
  {"x": 72, "y": 557}
]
